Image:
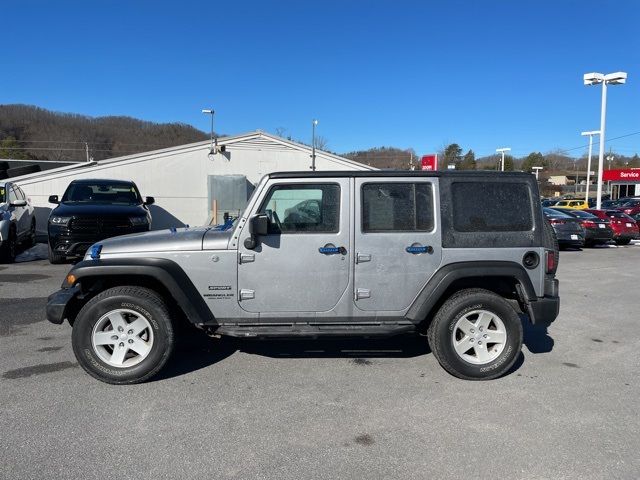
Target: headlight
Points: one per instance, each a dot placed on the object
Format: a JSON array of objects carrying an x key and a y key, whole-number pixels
[
  {"x": 137, "y": 221},
  {"x": 60, "y": 220}
]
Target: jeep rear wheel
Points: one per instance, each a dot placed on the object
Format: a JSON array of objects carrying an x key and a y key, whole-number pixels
[
  {"x": 476, "y": 335},
  {"x": 123, "y": 335}
]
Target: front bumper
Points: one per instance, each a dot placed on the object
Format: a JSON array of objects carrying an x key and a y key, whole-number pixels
[
  {"x": 59, "y": 302},
  {"x": 75, "y": 244}
]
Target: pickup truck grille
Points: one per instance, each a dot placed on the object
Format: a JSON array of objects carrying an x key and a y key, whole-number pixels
[{"x": 107, "y": 224}]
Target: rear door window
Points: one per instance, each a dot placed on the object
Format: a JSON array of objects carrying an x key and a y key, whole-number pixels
[{"x": 397, "y": 207}]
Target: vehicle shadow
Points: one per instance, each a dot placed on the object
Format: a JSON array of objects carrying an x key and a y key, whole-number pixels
[
  {"x": 196, "y": 350},
  {"x": 536, "y": 338}
]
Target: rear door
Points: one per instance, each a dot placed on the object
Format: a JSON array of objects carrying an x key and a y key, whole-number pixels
[{"x": 397, "y": 240}]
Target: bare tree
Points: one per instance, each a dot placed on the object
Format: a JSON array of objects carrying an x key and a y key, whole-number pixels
[{"x": 321, "y": 142}]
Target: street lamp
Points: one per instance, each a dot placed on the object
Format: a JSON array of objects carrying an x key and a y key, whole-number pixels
[
  {"x": 313, "y": 144},
  {"x": 210, "y": 111},
  {"x": 617, "y": 78},
  {"x": 590, "y": 134},
  {"x": 502, "y": 150},
  {"x": 537, "y": 169}
]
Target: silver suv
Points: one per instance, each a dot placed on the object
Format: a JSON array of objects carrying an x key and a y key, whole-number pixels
[
  {"x": 17, "y": 221},
  {"x": 456, "y": 255}
]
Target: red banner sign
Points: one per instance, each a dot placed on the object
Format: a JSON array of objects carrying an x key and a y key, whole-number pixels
[
  {"x": 429, "y": 162},
  {"x": 622, "y": 175}
]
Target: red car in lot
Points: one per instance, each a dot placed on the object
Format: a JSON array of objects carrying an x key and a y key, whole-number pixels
[
  {"x": 624, "y": 227},
  {"x": 631, "y": 208}
]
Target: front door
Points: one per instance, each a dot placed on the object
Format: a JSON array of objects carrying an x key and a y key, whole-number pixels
[
  {"x": 397, "y": 240},
  {"x": 302, "y": 265}
]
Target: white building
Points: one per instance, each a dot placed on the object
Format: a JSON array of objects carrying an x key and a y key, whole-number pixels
[{"x": 188, "y": 181}]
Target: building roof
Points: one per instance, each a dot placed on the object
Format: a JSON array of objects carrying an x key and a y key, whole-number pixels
[{"x": 265, "y": 140}]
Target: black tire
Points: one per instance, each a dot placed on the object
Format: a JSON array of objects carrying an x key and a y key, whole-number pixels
[
  {"x": 54, "y": 258},
  {"x": 623, "y": 241},
  {"x": 550, "y": 240},
  {"x": 442, "y": 332},
  {"x": 30, "y": 241},
  {"x": 143, "y": 301},
  {"x": 3, "y": 174},
  {"x": 4, "y": 165},
  {"x": 9, "y": 247},
  {"x": 19, "y": 171}
]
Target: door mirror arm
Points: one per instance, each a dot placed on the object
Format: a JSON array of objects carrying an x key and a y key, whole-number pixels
[{"x": 258, "y": 225}]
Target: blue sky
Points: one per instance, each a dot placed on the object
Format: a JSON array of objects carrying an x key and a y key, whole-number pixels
[{"x": 420, "y": 74}]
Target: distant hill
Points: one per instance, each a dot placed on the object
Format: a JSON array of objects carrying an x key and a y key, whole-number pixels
[
  {"x": 29, "y": 132},
  {"x": 384, "y": 157}
]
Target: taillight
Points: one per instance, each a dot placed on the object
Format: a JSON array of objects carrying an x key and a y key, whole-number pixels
[
  {"x": 589, "y": 224},
  {"x": 550, "y": 261},
  {"x": 557, "y": 222}
]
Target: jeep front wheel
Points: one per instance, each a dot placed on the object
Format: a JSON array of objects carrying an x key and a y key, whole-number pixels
[
  {"x": 123, "y": 335},
  {"x": 476, "y": 335}
]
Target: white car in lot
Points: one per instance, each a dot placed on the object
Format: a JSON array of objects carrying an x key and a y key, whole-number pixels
[{"x": 17, "y": 221}]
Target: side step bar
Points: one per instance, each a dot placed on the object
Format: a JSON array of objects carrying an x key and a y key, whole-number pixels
[{"x": 313, "y": 329}]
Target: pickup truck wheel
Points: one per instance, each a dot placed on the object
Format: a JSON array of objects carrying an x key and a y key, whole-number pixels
[
  {"x": 123, "y": 335},
  {"x": 476, "y": 335}
]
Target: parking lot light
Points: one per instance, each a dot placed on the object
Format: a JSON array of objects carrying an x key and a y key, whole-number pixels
[
  {"x": 616, "y": 78},
  {"x": 502, "y": 150},
  {"x": 590, "y": 134},
  {"x": 210, "y": 111}
]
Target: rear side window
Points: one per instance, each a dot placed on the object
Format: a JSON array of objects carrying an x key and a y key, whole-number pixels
[
  {"x": 397, "y": 207},
  {"x": 491, "y": 207}
]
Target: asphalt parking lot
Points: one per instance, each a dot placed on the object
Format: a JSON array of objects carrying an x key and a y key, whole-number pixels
[{"x": 331, "y": 409}]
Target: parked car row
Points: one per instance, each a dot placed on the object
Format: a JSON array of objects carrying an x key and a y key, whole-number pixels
[
  {"x": 89, "y": 211},
  {"x": 577, "y": 226}
]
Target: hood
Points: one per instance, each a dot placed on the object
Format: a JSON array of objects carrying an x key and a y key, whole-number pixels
[
  {"x": 181, "y": 239},
  {"x": 70, "y": 209}
]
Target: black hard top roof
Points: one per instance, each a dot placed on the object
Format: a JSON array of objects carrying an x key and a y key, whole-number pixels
[{"x": 400, "y": 173}]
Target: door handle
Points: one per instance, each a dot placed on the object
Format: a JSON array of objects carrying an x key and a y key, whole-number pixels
[
  {"x": 247, "y": 258},
  {"x": 331, "y": 249},
  {"x": 416, "y": 249},
  {"x": 363, "y": 257}
]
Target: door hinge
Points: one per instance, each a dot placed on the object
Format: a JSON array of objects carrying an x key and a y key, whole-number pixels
[
  {"x": 246, "y": 258},
  {"x": 363, "y": 257},
  {"x": 362, "y": 293},
  {"x": 246, "y": 294}
]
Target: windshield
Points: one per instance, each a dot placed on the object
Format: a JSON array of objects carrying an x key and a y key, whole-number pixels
[{"x": 102, "y": 192}]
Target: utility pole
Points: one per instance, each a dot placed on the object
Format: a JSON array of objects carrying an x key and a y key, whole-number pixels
[{"x": 86, "y": 148}]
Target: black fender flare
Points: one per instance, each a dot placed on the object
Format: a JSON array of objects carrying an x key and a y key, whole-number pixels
[
  {"x": 163, "y": 270},
  {"x": 437, "y": 285}
]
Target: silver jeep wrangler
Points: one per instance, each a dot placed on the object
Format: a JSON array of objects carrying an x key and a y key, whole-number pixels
[{"x": 461, "y": 256}]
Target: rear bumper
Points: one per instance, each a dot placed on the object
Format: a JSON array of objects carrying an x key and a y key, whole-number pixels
[
  {"x": 544, "y": 310},
  {"x": 58, "y": 304}
]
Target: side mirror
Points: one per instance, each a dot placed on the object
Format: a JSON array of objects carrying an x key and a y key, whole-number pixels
[
  {"x": 258, "y": 225},
  {"x": 54, "y": 199},
  {"x": 149, "y": 201},
  {"x": 19, "y": 203}
]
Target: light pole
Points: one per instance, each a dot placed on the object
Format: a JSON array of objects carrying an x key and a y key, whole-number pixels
[
  {"x": 210, "y": 111},
  {"x": 502, "y": 150},
  {"x": 617, "y": 78},
  {"x": 590, "y": 134},
  {"x": 537, "y": 169},
  {"x": 313, "y": 144}
]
